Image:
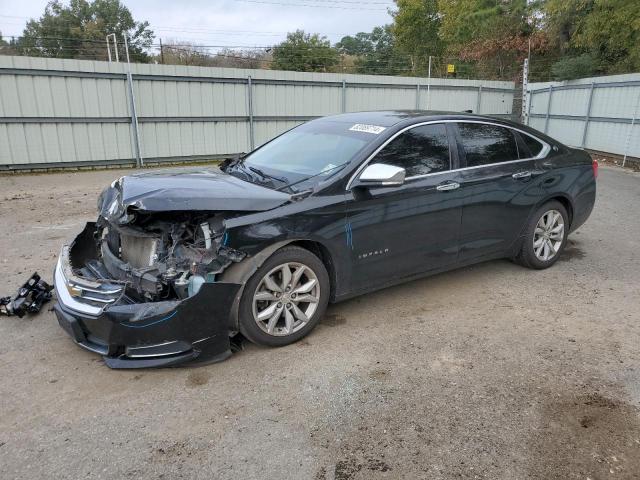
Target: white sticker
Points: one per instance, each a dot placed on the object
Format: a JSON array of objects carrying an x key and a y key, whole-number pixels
[{"x": 361, "y": 127}]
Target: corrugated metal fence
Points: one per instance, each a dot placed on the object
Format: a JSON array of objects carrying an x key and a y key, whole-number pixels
[
  {"x": 595, "y": 113},
  {"x": 57, "y": 112}
]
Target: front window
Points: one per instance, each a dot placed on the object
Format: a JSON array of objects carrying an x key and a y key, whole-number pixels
[
  {"x": 420, "y": 150},
  {"x": 316, "y": 149}
]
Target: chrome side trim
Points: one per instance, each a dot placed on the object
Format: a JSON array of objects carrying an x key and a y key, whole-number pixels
[
  {"x": 101, "y": 300},
  {"x": 543, "y": 153},
  {"x": 140, "y": 352}
]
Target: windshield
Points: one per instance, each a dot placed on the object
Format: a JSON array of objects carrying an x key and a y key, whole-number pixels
[{"x": 319, "y": 149}]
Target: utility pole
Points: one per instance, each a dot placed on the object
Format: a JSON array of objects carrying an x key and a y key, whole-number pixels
[{"x": 161, "y": 53}]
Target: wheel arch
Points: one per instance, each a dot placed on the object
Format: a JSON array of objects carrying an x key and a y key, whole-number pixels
[
  {"x": 564, "y": 200},
  {"x": 323, "y": 253},
  {"x": 241, "y": 272}
]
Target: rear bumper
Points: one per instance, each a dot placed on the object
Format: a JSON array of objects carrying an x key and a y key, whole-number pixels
[{"x": 142, "y": 335}]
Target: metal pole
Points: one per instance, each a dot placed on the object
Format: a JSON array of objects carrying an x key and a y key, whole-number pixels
[
  {"x": 132, "y": 102},
  {"x": 479, "y": 99},
  {"x": 525, "y": 86},
  {"x": 108, "y": 49},
  {"x": 529, "y": 102},
  {"x": 429, "y": 86},
  {"x": 546, "y": 121},
  {"x": 115, "y": 46},
  {"x": 126, "y": 49},
  {"x": 250, "y": 106},
  {"x": 586, "y": 117},
  {"x": 418, "y": 96},
  {"x": 633, "y": 122},
  {"x": 344, "y": 96}
]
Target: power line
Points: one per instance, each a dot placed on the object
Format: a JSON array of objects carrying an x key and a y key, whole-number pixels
[{"x": 265, "y": 2}]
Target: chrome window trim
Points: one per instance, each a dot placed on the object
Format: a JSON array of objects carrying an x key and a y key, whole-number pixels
[{"x": 543, "y": 153}]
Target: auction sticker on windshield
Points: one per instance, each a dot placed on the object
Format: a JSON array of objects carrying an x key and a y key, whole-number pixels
[{"x": 361, "y": 127}]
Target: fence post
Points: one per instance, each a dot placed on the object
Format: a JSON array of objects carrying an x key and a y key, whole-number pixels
[
  {"x": 586, "y": 117},
  {"x": 546, "y": 120},
  {"x": 633, "y": 122},
  {"x": 418, "y": 96},
  {"x": 344, "y": 96},
  {"x": 479, "y": 99},
  {"x": 252, "y": 140}
]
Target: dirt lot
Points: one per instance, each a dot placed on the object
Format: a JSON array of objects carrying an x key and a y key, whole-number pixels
[{"x": 493, "y": 371}]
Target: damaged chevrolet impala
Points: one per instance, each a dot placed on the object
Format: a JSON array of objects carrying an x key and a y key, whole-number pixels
[{"x": 179, "y": 262}]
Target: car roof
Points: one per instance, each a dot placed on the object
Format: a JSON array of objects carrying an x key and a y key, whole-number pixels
[{"x": 389, "y": 118}]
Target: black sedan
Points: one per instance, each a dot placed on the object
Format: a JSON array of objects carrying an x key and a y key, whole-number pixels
[{"x": 178, "y": 262}]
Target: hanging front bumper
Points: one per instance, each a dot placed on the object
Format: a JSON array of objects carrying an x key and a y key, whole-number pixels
[{"x": 141, "y": 335}]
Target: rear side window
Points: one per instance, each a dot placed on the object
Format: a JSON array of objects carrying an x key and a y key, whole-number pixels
[
  {"x": 420, "y": 150},
  {"x": 534, "y": 146},
  {"x": 485, "y": 144}
]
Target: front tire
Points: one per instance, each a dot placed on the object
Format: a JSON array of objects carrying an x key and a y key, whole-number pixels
[
  {"x": 545, "y": 236},
  {"x": 285, "y": 298}
]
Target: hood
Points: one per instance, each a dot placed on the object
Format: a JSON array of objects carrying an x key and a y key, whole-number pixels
[{"x": 203, "y": 189}]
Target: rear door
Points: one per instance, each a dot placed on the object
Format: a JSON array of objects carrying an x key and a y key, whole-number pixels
[
  {"x": 397, "y": 232},
  {"x": 497, "y": 170}
]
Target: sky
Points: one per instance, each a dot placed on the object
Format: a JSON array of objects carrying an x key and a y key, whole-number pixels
[{"x": 233, "y": 23}]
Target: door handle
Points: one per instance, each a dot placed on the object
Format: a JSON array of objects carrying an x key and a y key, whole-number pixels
[
  {"x": 444, "y": 187},
  {"x": 521, "y": 175}
]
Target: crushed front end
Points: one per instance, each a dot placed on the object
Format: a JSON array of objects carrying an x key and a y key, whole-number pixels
[
  {"x": 143, "y": 294},
  {"x": 142, "y": 285}
]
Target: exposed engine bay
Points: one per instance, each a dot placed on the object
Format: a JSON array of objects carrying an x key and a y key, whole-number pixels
[
  {"x": 147, "y": 284},
  {"x": 165, "y": 256}
]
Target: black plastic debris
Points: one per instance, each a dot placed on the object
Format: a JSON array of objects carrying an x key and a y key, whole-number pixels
[{"x": 29, "y": 299}]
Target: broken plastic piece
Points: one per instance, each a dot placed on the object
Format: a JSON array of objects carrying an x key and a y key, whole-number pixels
[{"x": 30, "y": 297}]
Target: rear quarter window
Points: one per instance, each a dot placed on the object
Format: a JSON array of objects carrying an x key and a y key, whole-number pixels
[
  {"x": 534, "y": 146},
  {"x": 485, "y": 144}
]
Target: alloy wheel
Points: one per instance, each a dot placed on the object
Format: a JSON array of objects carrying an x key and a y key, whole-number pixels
[
  {"x": 548, "y": 235},
  {"x": 286, "y": 298}
]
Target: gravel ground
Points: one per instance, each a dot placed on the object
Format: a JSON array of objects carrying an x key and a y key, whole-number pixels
[{"x": 492, "y": 371}]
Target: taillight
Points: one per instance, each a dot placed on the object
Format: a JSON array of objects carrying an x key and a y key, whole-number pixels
[{"x": 594, "y": 164}]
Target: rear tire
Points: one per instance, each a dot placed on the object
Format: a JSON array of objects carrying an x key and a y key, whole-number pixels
[
  {"x": 285, "y": 298},
  {"x": 545, "y": 236}
]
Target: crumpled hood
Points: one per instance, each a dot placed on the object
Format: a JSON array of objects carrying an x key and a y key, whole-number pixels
[{"x": 193, "y": 189}]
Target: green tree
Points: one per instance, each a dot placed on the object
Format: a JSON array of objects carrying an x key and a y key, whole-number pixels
[
  {"x": 415, "y": 27},
  {"x": 304, "y": 52},
  {"x": 594, "y": 36},
  {"x": 375, "y": 52},
  {"x": 78, "y": 30},
  {"x": 495, "y": 35},
  {"x": 585, "y": 65},
  {"x": 7, "y": 48},
  {"x": 382, "y": 56},
  {"x": 360, "y": 44}
]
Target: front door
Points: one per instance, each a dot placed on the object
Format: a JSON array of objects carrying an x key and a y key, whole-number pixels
[{"x": 398, "y": 232}]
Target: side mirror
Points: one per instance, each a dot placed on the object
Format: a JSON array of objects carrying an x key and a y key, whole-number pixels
[{"x": 381, "y": 175}]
